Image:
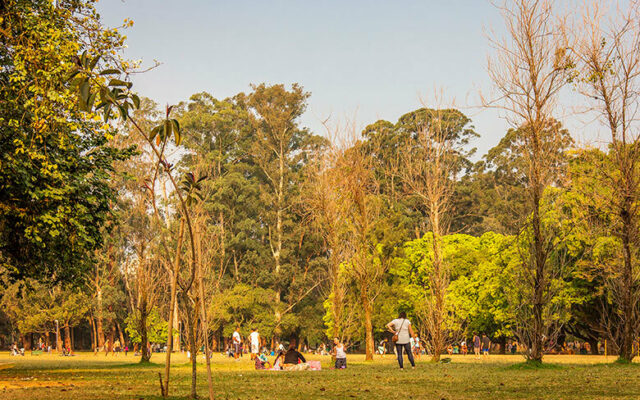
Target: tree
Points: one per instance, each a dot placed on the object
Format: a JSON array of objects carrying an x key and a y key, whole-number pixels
[
  {"x": 609, "y": 76},
  {"x": 435, "y": 154},
  {"x": 476, "y": 299},
  {"x": 280, "y": 149},
  {"x": 361, "y": 206},
  {"x": 528, "y": 70},
  {"x": 55, "y": 160}
]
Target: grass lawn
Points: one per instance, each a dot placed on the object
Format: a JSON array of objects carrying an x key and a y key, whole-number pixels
[{"x": 86, "y": 376}]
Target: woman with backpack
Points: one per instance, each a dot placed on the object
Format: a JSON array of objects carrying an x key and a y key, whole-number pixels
[{"x": 402, "y": 334}]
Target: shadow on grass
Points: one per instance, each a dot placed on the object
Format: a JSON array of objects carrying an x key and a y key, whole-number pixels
[
  {"x": 534, "y": 366},
  {"x": 139, "y": 364}
]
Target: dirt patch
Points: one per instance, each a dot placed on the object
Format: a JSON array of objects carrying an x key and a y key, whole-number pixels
[{"x": 32, "y": 383}]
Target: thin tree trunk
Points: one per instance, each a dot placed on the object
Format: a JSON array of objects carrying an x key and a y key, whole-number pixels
[
  {"x": 626, "y": 346},
  {"x": 120, "y": 334},
  {"x": 173, "y": 284},
  {"x": 203, "y": 315},
  {"x": 368, "y": 328},
  {"x": 93, "y": 334},
  {"x": 142, "y": 327},
  {"x": 438, "y": 281},
  {"x": 99, "y": 329},
  {"x": 537, "y": 350}
]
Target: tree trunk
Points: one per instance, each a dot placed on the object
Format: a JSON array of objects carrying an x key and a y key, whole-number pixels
[
  {"x": 94, "y": 343},
  {"x": 502, "y": 342},
  {"x": 537, "y": 345},
  {"x": 194, "y": 351},
  {"x": 203, "y": 315},
  {"x": 99, "y": 329},
  {"x": 142, "y": 327},
  {"x": 120, "y": 334},
  {"x": 58, "y": 339},
  {"x": 593, "y": 344},
  {"x": 439, "y": 288},
  {"x": 173, "y": 311},
  {"x": 190, "y": 322},
  {"x": 625, "y": 344},
  {"x": 368, "y": 328},
  {"x": 26, "y": 343},
  {"x": 112, "y": 336},
  {"x": 176, "y": 328},
  {"x": 67, "y": 336}
]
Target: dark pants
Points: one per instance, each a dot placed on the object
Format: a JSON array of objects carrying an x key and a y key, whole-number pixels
[{"x": 407, "y": 348}]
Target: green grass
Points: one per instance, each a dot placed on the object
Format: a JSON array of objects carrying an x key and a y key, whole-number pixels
[{"x": 498, "y": 377}]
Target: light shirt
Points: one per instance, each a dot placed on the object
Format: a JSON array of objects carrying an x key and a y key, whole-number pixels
[
  {"x": 255, "y": 338},
  {"x": 401, "y": 327},
  {"x": 340, "y": 351},
  {"x": 236, "y": 337}
]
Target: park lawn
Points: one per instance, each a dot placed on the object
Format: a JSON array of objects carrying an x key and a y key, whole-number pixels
[{"x": 86, "y": 376}]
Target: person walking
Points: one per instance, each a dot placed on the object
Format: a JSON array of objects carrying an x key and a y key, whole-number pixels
[
  {"x": 254, "y": 338},
  {"x": 476, "y": 346},
  {"x": 237, "y": 342},
  {"x": 402, "y": 333}
]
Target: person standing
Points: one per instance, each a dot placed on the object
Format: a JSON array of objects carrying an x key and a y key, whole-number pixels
[
  {"x": 476, "y": 345},
  {"x": 402, "y": 333},
  {"x": 254, "y": 338},
  {"x": 237, "y": 342},
  {"x": 486, "y": 345},
  {"x": 340, "y": 354}
]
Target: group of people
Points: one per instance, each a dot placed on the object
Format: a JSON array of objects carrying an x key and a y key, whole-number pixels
[
  {"x": 114, "y": 349},
  {"x": 290, "y": 359},
  {"x": 406, "y": 341}
]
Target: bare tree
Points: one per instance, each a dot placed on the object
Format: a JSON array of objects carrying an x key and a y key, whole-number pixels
[
  {"x": 323, "y": 201},
  {"x": 608, "y": 51},
  {"x": 427, "y": 169},
  {"x": 529, "y": 69}
]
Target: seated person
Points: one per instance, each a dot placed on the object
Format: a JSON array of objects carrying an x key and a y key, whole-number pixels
[
  {"x": 262, "y": 362},
  {"x": 293, "y": 360}
]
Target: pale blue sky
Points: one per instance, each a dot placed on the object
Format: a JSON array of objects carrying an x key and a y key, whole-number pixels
[{"x": 368, "y": 58}]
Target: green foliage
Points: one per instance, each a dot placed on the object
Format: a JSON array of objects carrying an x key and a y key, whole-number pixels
[
  {"x": 156, "y": 327},
  {"x": 34, "y": 307},
  {"x": 245, "y": 306},
  {"x": 481, "y": 270},
  {"x": 55, "y": 160}
]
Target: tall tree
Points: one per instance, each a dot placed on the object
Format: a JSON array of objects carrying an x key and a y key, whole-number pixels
[
  {"x": 609, "y": 54},
  {"x": 280, "y": 149},
  {"x": 528, "y": 70},
  {"x": 435, "y": 154},
  {"x": 54, "y": 158}
]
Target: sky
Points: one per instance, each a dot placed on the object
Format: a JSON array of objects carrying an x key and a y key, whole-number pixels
[{"x": 360, "y": 59}]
